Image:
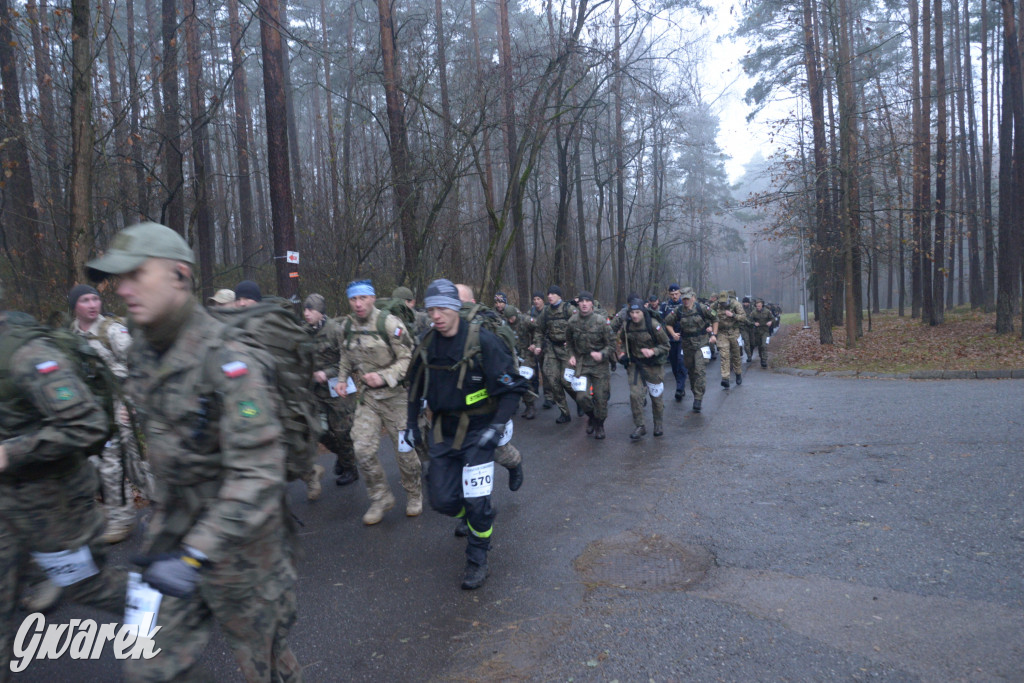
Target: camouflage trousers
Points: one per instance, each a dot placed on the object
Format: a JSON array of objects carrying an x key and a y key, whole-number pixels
[
  {"x": 696, "y": 367},
  {"x": 556, "y": 360},
  {"x": 370, "y": 417},
  {"x": 530, "y": 361},
  {"x": 729, "y": 352},
  {"x": 337, "y": 438},
  {"x": 594, "y": 400},
  {"x": 760, "y": 335},
  {"x": 251, "y": 596},
  {"x": 50, "y": 515},
  {"x": 638, "y": 376},
  {"x": 748, "y": 340}
]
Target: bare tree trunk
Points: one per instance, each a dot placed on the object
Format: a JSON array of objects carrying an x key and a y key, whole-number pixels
[
  {"x": 581, "y": 223},
  {"x": 620, "y": 193},
  {"x": 135, "y": 137},
  {"x": 847, "y": 168},
  {"x": 240, "y": 89},
  {"x": 515, "y": 198},
  {"x": 989, "y": 274},
  {"x": 80, "y": 242},
  {"x": 200, "y": 151},
  {"x": 346, "y": 137},
  {"x": 488, "y": 180},
  {"x": 1011, "y": 140},
  {"x": 969, "y": 167},
  {"x": 298, "y": 189},
  {"x": 332, "y": 143},
  {"x": 939, "y": 260},
  {"x": 44, "y": 85},
  {"x": 450, "y": 213},
  {"x": 118, "y": 115},
  {"x": 282, "y": 217},
  {"x": 173, "y": 212},
  {"x": 924, "y": 170},
  {"x": 405, "y": 193},
  {"x": 823, "y": 279}
]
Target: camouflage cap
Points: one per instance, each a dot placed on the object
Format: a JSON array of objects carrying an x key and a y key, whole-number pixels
[
  {"x": 132, "y": 246},
  {"x": 403, "y": 293},
  {"x": 510, "y": 311},
  {"x": 688, "y": 293},
  {"x": 723, "y": 294}
]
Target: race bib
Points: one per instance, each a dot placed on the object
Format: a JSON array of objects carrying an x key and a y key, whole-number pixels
[
  {"x": 706, "y": 352},
  {"x": 67, "y": 567},
  {"x": 568, "y": 375},
  {"x": 404, "y": 441},
  {"x": 526, "y": 372},
  {"x": 579, "y": 384},
  {"x": 478, "y": 481},
  {"x": 656, "y": 389},
  {"x": 141, "y": 606},
  {"x": 506, "y": 435},
  {"x": 332, "y": 384},
  {"x": 767, "y": 341},
  {"x": 741, "y": 341}
]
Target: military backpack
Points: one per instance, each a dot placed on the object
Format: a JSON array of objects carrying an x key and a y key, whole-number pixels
[{"x": 273, "y": 327}]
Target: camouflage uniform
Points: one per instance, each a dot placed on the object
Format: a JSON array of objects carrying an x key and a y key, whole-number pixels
[
  {"x": 364, "y": 351},
  {"x": 339, "y": 409},
  {"x": 111, "y": 340},
  {"x": 48, "y": 489},
  {"x": 632, "y": 338},
  {"x": 214, "y": 446},
  {"x": 524, "y": 327},
  {"x": 692, "y": 326},
  {"x": 728, "y": 336},
  {"x": 586, "y": 333},
  {"x": 550, "y": 334},
  {"x": 747, "y": 330},
  {"x": 764, "y": 318}
]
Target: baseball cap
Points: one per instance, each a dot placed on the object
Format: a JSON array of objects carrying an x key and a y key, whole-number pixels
[
  {"x": 222, "y": 296},
  {"x": 131, "y": 247}
]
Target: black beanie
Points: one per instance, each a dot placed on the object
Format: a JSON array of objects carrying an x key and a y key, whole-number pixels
[
  {"x": 79, "y": 291},
  {"x": 247, "y": 289},
  {"x": 555, "y": 289}
]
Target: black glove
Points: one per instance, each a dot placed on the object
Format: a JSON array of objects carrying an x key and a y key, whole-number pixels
[
  {"x": 490, "y": 437},
  {"x": 174, "y": 574},
  {"x": 624, "y": 360}
]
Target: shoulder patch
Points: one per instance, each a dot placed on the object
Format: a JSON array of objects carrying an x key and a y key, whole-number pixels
[
  {"x": 398, "y": 331},
  {"x": 657, "y": 327},
  {"x": 248, "y": 409},
  {"x": 46, "y": 367},
  {"x": 235, "y": 369}
]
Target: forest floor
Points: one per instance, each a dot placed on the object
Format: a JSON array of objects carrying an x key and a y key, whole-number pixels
[{"x": 966, "y": 341}]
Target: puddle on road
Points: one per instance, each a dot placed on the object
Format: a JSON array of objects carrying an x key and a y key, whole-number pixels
[{"x": 644, "y": 562}]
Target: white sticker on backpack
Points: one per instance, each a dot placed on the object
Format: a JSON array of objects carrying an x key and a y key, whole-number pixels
[
  {"x": 67, "y": 567},
  {"x": 478, "y": 481}
]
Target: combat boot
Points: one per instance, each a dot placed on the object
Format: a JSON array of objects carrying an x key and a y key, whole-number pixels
[
  {"x": 658, "y": 431},
  {"x": 474, "y": 576},
  {"x": 462, "y": 528},
  {"x": 764, "y": 363},
  {"x": 347, "y": 477},
  {"x": 41, "y": 597},
  {"x": 579, "y": 410},
  {"x": 313, "y": 487},
  {"x": 679, "y": 395},
  {"x": 638, "y": 432},
  {"x": 378, "y": 508},
  {"x": 696, "y": 405},
  {"x": 547, "y": 403},
  {"x": 562, "y": 418},
  {"x": 725, "y": 383},
  {"x": 739, "y": 379},
  {"x": 339, "y": 469},
  {"x": 591, "y": 423},
  {"x": 515, "y": 477},
  {"x": 599, "y": 430},
  {"x": 414, "y": 505},
  {"x": 530, "y": 413}
]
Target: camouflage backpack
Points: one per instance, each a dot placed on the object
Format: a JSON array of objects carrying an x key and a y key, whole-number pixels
[
  {"x": 273, "y": 327},
  {"x": 397, "y": 308},
  {"x": 85, "y": 361}
]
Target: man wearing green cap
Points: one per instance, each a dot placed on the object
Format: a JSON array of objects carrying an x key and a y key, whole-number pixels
[
  {"x": 730, "y": 318},
  {"x": 696, "y": 325},
  {"x": 217, "y": 546},
  {"x": 422, "y": 321},
  {"x": 590, "y": 343}
]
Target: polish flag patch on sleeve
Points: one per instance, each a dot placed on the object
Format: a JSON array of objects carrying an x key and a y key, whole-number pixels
[
  {"x": 235, "y": 369},
  {"x": 47, "y": 367},
  {"x": 398, "y": 331}
]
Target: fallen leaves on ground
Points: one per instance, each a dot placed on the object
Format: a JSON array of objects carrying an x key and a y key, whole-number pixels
[{"x": 966, "y": 341}]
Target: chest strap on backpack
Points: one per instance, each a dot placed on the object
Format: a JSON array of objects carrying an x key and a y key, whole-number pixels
[{"x": 489, "y": 405}]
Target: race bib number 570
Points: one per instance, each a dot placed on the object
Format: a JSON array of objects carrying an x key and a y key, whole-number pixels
[{"x": 478, "y": 481}]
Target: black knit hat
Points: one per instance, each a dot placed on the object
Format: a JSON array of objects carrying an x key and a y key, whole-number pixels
[
  {"x": 555, "y": 289},
  {"x": 247, "y": 289},
  {"x": 77, "y": 292}
]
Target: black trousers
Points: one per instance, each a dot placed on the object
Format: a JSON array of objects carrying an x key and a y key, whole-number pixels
[
  {"x": 675, "y": 360},
  {"x": 444, "y": 491}
]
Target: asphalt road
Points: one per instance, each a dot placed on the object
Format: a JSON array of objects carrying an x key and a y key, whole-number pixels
[{"x": 801, "y": 529}]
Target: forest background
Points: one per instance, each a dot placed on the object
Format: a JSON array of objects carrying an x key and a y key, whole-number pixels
[{"x": 515, "y": 144}]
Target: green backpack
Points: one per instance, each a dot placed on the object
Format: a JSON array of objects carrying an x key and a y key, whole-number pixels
[
  {"x": 272, "y": 326},
  {"x": 85, "y": 361},
  {"x": 397, "y": 308}
]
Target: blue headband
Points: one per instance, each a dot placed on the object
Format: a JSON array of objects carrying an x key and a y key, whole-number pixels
[{"x": 360, "y": 288}]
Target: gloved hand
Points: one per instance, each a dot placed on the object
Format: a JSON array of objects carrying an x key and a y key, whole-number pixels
[
  {"x": 174, "y": 574},
  {"x": 624, "y": 360},
  {"x": 490, "y": 437}
]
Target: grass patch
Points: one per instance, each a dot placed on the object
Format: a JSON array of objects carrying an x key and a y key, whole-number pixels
[{"x": 966, "y": 341}]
